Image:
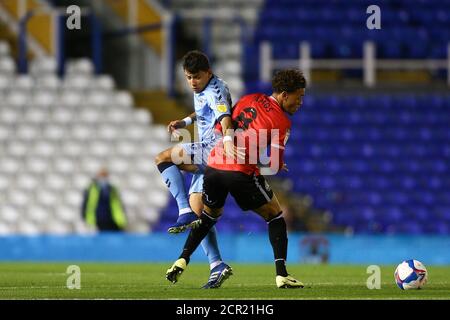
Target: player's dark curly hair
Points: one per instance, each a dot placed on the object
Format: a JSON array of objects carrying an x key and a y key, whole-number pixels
[
  {"x": 288, "y": 80},
  {"x": 195, "y": 61}
]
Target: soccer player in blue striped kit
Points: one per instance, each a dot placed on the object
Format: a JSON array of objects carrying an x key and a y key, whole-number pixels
[{"x": 212, "y": 103}]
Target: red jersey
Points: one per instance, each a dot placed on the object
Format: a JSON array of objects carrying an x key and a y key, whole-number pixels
[{"x": 259, "y": 122}]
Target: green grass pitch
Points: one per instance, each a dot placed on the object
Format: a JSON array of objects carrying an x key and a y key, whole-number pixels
[{"x": 147, "y": 281}]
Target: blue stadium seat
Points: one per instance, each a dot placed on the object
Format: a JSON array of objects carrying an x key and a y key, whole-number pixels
[
  {"x": 390, "y": 169},
  {"x": 404, "y": 24}
]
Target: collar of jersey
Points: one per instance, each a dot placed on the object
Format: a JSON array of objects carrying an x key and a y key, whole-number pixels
[{"x": 277, "y": 103}]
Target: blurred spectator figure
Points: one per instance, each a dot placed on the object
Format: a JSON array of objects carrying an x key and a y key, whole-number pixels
[
  {"x": 314, "y": 249},
  {"x": 102, "y": 207}
]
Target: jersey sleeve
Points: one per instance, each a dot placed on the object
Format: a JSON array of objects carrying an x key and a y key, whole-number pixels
[{"x": 219, "y": 103}]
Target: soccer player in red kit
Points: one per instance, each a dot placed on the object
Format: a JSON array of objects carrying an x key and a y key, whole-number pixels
[{"x": 261, "y": 122}]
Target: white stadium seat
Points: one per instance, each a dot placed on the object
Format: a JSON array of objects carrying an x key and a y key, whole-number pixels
[
  {"x": 10, "y": 164},
  {"x": 36, "y": 115},
  {"x": 56, "y": 133},
  {"x": 77, "y": 82},
  {"x": 126, "y": 148},
  {"x": 47, "y": 197},
  {"x": 90, "y": 116},
  {"x": 18, "y": 148},
  {"x": 50, "y": 81},
  {"x": 43, "y": 66},
  {"x": 4, "y": 49},
  {"x": 74, "y": 197},
  {"x": 70, "y": 98},
  {"x": 44, "y": 148},
  {"x": 56, "y": 182},
  {"x": 80, "y": 66},
  {"x": 7, "y": 65},
  {"x": 5, "y": 81},
  {"x": 18, "y": 197},
  {"x": 67, "y": 213},
  {"x": 6, "y": 132},
  {"x": 151, "y": 215},
  {"x": 91, "y": 165},
  {"x": 81, "y": 132},
  {"x": 104, "y": 82},
  {"x": 27, "y": 182},
  {"x": 24, "y": 82},
  {"x": 98, "y": 99},
  {"x": 64, "y": 165},
  {"x": 17, "y": 98},
  {"x": 44, "y": 98},
  {"x": 27, "y": 132},
  {"x": 158, "y": 198},
  {"x": 38, "y": 214},
  {"x": 4, "y": 183},
  {"x": 27, "y": 228},
  {"x": 118, "y": 165},
  {"x": 142, "y": 116},
  {"x": 123, "y": 99},
  {"x": 58, "y": 228},
  {"x": 100, "y": 148},
  {"x": 81, "y": 181},
  {"x": 63, "y": 116},
  {"x": 115, "y": 116},
  {"x": 109, "y": 132},
  {"x": 38, "y": 165},
  {"x": 138, "y": 182},
  {"x": 72, "y": 148},
  {"x": 9, "y": 213},
  {"x": 130, "y": 197},
  {"x": 134, "y": 132}
]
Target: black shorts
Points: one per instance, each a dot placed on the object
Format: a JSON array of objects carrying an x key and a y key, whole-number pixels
[{"x": 250, "y": 192}]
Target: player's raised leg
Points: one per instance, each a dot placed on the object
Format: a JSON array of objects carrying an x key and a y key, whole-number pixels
[{"x": 174, "y": 180}]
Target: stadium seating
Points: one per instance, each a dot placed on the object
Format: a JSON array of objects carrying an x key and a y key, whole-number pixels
[
  {"x": 380, "y": 163},
  {"x": 337, "y": 29},
  {"x": 229, "y": 21},
  {"x": 56, "y": 133}
]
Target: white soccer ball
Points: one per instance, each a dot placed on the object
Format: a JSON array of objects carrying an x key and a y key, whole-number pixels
[{"x": 411, "y": 274}]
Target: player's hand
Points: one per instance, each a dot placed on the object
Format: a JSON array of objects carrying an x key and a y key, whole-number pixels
[
  {"x": 231, "y": 151},
  {"x": 174, "y": 125},
  {"x": 284, "y": 167}
]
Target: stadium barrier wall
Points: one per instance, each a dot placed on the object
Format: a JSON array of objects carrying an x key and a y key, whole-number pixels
[{"x": 245, "y": 248}]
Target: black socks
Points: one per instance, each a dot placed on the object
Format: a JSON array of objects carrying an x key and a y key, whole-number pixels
[
  {"x": 279, "y": 241},
  {"x": 196, "y": 235}
]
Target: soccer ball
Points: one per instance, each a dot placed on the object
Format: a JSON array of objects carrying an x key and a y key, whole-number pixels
[{"x": 410, "y": 274}]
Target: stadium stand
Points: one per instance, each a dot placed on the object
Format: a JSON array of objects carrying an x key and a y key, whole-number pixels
[
  {"x": 337, "y": 30},
  {"x": 222, "y": 25},
  {"x": 55, "y": 133},
  {"x": 377, "y": 161},
  {"x": 380, "y": 163}
]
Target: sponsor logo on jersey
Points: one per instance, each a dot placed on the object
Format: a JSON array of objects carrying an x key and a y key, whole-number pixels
[{"x": 222, "y": 108}]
